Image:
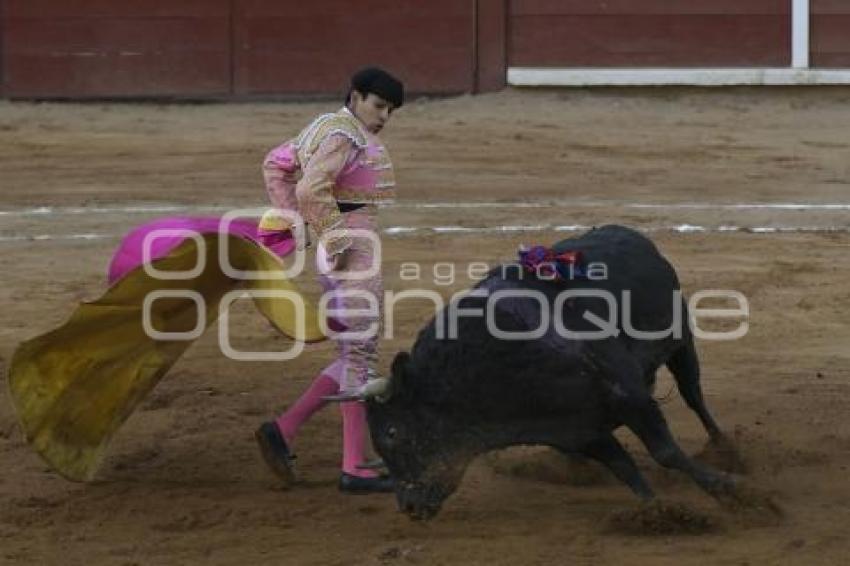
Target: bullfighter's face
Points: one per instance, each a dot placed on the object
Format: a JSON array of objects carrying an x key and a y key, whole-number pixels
[
  {"x": 371, "y": 109},
  {"x": 426, "y": 471}
]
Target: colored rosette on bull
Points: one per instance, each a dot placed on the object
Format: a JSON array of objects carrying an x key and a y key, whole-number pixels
[{"x": 549, "y": 265}]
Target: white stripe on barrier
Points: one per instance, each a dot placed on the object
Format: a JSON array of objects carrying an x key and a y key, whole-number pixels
[
  {"x": 460, "y": 230},
  {"x": 45, "y": 211}
]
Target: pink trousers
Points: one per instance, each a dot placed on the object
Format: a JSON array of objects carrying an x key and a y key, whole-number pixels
[{"x": 355, "y": 354}]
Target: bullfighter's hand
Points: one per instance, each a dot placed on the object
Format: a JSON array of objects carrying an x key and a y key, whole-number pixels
[
  {"x": 339, "y": 262},
  {"x": 301, "y": 233}
]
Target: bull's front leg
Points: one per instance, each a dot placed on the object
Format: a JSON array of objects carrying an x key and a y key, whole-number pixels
[
  {"x": 645, "y": 419},
  {"x": 684, "y": 365},
  {"x": 607, "y": 450},
  {"x": 633, "y": 404}
]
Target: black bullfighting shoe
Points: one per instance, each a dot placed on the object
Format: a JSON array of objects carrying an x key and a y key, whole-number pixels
[
  {"x": 358, "y": 486},
  {"x": 276, "y": 453}
]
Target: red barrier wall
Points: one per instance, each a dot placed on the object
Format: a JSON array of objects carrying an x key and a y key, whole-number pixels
[
  {"x": 830, "y": 33},
  {"x": 2, "y": 48},
  {"x": 83, "y": 48},
  {"x": 650, "y": 33},
  {"x": 491, "y": 29},
  {"x": 261, "y": 48},
  {"x": 295, "y": 46},
  {"x": 243, "y": 48}
]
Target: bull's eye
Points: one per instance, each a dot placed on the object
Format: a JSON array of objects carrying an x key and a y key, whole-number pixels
[{"x": 391, "y": 433}]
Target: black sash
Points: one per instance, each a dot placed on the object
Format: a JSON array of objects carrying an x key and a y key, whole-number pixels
[{"x": 349, "y": 206}]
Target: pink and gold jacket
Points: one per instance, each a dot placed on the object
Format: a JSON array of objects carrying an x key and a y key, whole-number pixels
[{"x": 333, "y": 160}]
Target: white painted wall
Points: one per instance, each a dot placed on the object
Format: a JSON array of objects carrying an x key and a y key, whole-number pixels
[
  {"x": 800, "y": 34},
  {"x": 798, "y": 74},
  {"x": 527, "y": 76}
]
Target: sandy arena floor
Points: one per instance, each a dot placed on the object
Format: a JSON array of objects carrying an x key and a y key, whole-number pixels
[{"x": 478, "y": 175}]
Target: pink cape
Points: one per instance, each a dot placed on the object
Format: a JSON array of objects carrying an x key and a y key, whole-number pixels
[{"x": 130, "y": 253}]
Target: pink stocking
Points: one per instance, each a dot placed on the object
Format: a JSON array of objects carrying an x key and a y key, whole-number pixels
[
  {"x": 310, "y": 402},
  {"x": 354, "y": 439}
]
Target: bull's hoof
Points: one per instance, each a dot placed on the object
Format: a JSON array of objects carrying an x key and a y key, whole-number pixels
[
  {"x": 743, "y": 499},
  {"x": 721, "y": 453}
]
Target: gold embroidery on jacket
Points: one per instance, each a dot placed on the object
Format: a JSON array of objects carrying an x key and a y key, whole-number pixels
[
  {"x": 346, "y": 124},
  {"x": 326, "y": 125}
]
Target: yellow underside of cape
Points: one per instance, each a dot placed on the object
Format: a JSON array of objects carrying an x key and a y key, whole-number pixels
[{"x": 74, "y": 386}]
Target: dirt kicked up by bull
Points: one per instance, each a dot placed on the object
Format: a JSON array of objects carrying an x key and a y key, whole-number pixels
[{"x": 453, "y": 398}]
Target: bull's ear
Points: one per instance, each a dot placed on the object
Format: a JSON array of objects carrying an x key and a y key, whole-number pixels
[
  {"x": 399, "y": 366},
  {"x": 400, "y": 369}
]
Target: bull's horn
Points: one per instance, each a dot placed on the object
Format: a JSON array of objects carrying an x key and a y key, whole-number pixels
[{"x": 377, "y": 388}]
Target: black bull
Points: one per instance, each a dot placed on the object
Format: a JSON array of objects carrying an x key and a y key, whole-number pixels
[{"x": 451, "y": 399}]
